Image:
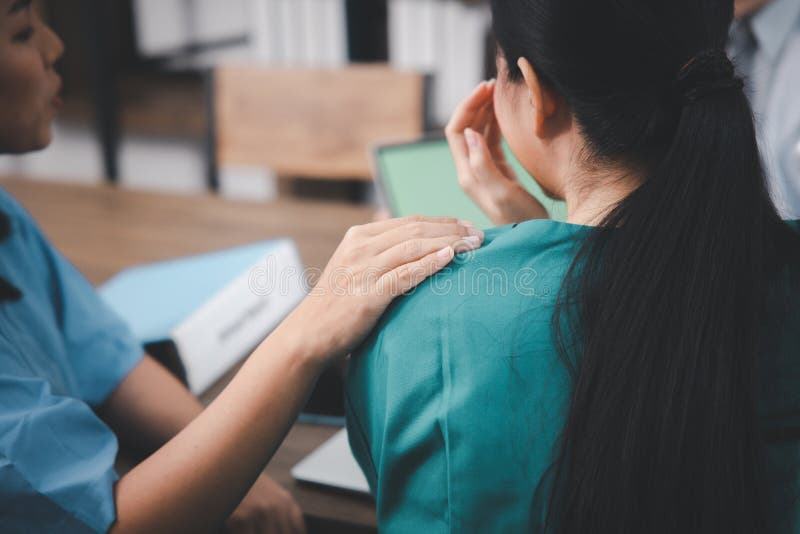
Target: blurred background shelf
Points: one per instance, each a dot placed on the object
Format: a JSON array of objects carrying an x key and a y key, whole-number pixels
[
  {"x": 151, "y": 104},
  {"x": 136, "y": 83}
]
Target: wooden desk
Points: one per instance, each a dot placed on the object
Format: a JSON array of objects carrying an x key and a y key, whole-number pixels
[{"x": 103, "y": 230}]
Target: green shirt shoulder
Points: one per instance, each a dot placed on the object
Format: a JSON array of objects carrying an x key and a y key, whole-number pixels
[
  {"x": 455, "y": 403},
  {"x": 461, "y": 383}
]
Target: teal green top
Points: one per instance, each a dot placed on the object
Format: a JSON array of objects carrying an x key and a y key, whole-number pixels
[{"x": 455, "y": 403}]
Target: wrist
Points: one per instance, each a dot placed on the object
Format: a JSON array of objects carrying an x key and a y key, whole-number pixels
[{"x": 296, "y": 337}]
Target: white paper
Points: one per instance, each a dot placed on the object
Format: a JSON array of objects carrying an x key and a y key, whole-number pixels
[{"x": 240, "y": 316}]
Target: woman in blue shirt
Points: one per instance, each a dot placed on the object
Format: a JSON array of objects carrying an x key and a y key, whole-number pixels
[
  {"x": 70, "y": 372},
  {"x": 634, "y": 370}
]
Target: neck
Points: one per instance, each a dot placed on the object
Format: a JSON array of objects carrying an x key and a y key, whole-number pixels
[{"x": 591, "y": 195}]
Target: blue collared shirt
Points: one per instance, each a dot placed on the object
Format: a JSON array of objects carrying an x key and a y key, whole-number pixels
[
  {"x": 61, "y": 352},
  {"x": 766, "y": 47}
]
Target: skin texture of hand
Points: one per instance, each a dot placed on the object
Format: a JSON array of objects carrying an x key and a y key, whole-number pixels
[
  {"x": 484, "y": 173},
  {"x": 212, "y": 468},
  {"x": 369, "y": 269}
]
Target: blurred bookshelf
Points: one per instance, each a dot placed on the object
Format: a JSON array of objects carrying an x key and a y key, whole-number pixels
[{"x": 137, "y": 67}]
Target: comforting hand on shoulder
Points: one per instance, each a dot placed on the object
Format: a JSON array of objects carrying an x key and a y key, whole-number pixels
[
  {"x": 483, "y": 170},
  {"x": 374, "y": 264}
]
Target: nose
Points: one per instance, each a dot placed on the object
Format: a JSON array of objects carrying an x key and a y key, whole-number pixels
[{"x": 52, "y": 46}]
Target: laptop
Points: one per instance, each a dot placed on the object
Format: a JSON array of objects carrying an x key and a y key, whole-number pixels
[
  {"x": 419, "y": 178},
  {"x": 332, "y": 465}
]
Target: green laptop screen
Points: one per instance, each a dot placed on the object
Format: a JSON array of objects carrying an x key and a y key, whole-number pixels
[{"x": 420, "y": 179}]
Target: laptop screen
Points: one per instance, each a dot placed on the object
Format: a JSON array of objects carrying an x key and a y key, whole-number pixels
[{"x": 420, "y": 179}]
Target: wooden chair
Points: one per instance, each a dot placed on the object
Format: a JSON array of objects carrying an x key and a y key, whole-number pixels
[{"x": 310, "y": 123}]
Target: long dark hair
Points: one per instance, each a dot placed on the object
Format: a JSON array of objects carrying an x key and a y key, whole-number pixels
[{"x": 666, "y": 297}]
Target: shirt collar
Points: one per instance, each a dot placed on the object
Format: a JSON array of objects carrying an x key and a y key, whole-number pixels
[{"x": 773, "y": 24}]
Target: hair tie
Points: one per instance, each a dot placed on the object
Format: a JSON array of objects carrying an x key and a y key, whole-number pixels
[{"x": 709, "y": 72}]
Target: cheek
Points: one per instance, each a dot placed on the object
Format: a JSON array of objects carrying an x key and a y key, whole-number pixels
[
  {"x": 511, "y": 119},
  {"x": 25, "y": 112},
  {"x": 22, "y": 76},
  {"x": 515, "y": 119},
  {"x": 503, "y": 107}
]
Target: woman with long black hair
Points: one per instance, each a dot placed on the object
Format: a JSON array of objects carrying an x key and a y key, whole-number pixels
[{"x": 635, "y": 370}]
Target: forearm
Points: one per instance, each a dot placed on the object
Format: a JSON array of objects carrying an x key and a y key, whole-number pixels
[
  {"x": 198, "y": 478},
  {"x": 149, "y": 407}
]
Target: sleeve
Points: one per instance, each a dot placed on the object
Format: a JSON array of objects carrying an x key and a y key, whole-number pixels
[
  {"x": 100, "y": 346},
  {"x": 56, "y": 462},
  {"x": 394, "y": 410}
]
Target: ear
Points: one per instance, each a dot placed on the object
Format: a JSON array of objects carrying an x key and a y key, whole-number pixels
[{"x": 542, "y": 99}]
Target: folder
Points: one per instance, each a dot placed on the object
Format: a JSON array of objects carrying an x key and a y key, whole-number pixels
[{"x": 202, "y": 314}]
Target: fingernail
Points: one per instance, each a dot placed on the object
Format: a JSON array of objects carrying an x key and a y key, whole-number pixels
[
  {"x": 472, "y": 240},
  {"x": 477, "y": 233},
  {"x": 468, "y": 224},
  {"x": 445, "y": 255}
]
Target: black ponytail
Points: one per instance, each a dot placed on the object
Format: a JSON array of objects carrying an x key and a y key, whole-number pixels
[
  {"x": 666, "y": 297},
  {"x": 671, "y": 300},
  {"x": 7, "y": 291}
]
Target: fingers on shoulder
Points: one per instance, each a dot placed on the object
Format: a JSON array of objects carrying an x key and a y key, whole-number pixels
[
  {"x": 409, "y": 275},
  {"x": 381, "y": 227}
]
